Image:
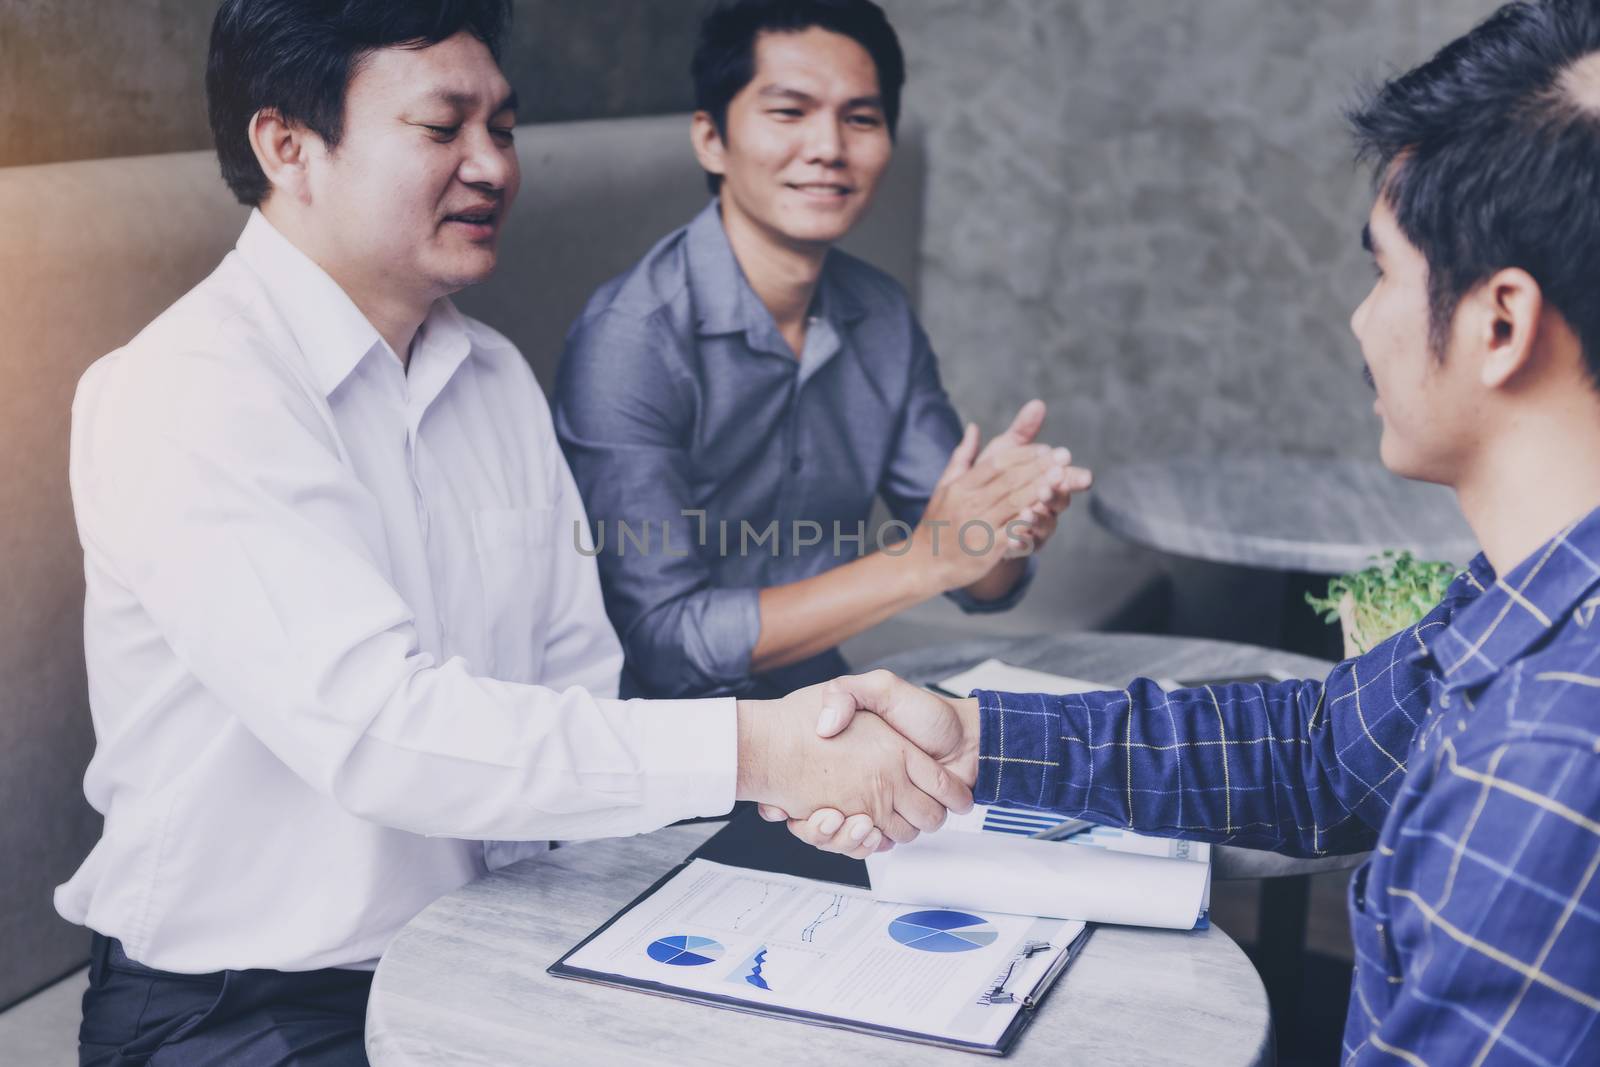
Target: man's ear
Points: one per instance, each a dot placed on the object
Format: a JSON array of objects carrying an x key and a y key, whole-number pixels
[
  {"x": 707, "y": 142},
  {"x": 283, "y": 149},
  {"x": 1504, "y": 321}
]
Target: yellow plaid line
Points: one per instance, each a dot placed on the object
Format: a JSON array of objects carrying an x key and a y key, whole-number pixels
[
  {"x": 1513, "y": 596},
  {"x": 1455, "y": 933}
]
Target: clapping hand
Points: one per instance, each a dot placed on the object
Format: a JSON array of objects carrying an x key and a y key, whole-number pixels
[{"x": 1041, "y": 514}]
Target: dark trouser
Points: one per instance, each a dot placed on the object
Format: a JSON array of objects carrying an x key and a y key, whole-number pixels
[{"x": 134, "y": 1014}]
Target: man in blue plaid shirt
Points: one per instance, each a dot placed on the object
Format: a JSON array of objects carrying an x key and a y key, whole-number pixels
[{"x": 1464, "y": 751}]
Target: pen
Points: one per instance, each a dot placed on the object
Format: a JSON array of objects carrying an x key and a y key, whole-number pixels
[{"x": 1063, "y": 830}]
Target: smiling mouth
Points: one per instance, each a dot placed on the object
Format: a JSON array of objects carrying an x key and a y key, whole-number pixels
[
  {"x": 827, "y": 190},
  {"x": 483, "y": 217}
]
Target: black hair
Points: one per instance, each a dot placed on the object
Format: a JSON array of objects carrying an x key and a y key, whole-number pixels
[
  {"x": 297, "y": 57},
  {"x": 725, "y": 54},
  {"x": 1489, "y": 156}
]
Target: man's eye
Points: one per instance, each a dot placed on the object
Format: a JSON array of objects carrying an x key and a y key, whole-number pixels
[
  {"x": 503, "y": 134},
  {"x": 786, "y": 112},
  {"x": 865, "y": 122},
  {"x": 442, "y": 132}
]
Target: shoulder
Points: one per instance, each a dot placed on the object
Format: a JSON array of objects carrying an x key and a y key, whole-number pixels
[
  {"x": 218, "y": 350},
  {"x": 215, "y": 382},
  {"x": 653, "y": 293}
]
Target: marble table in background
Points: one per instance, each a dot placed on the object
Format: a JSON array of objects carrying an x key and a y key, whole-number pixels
[
  {"x": 465, "y": 984},
  {"x": 1320, "y": 516},
  {"x": 1115, "y": 660}
]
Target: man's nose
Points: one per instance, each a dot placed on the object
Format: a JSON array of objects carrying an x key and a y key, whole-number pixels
[
  {"x": 824, "y": 143},
  {"x": 488, "y": 163},
  {"x": 1358, "y": 316}
]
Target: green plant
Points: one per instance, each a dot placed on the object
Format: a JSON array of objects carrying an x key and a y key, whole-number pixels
[{"x": 1393, "y": 593}]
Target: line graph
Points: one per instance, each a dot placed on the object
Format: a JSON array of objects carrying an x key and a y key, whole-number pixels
[{"x": 830, "y": 911}]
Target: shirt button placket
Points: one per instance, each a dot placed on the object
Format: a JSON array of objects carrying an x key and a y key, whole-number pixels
[{"x": 416, "y": 483}]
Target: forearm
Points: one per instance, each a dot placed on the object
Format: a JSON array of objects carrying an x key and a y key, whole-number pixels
[
  {"x": 1252, "y": 765},
  {"x": 1300, "y": 767},
  {"x": 804, "y": 618}
]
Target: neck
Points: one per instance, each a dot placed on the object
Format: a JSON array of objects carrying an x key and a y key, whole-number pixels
[
  {"x": 1534, "y": 481},
  {"x": 782, "y": 274},
  {"x": 396, "y": 315}
]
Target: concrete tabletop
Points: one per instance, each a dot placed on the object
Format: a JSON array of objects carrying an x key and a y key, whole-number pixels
[
  {"x": 1115, "y": 660},
  {"x": 1321, "y": 516},
  {"x": 465, "y": 984}
]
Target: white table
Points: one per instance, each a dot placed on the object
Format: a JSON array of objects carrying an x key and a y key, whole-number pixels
[
  {"x": 1283, "y": 513},
  {"x": 464, "y": 984}
]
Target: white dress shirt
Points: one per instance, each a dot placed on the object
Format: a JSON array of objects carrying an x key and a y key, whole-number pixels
[{"x": 337, "y": 630}]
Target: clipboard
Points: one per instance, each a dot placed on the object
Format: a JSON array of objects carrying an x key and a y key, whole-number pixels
[{"x": 750, "y": 842}]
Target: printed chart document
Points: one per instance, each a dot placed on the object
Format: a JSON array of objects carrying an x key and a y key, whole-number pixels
[
  {"x": 984, "y": 859},
  {"x": 830, "y": 954}
]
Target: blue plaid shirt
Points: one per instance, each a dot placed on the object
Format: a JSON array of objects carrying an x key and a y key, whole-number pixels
[{"x": 1464, "y": 751}]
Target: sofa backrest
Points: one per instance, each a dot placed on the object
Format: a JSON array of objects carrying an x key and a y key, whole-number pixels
[{"x": 93, "y": 251}]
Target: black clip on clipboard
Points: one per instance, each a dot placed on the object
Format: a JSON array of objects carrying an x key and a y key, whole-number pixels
[{"x": 751, "y": 842}]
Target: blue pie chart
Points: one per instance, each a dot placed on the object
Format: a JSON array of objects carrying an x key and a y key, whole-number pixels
[
  {"x": 684, "y": 950},
  {"x": 942, "y": 931}
]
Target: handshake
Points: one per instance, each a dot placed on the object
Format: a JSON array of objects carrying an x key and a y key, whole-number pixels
[{"x": 858, "y": 784}]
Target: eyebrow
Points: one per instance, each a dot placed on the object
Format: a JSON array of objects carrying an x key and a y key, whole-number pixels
[
  {"x": 464, "y": 101},
  {"x": 795, "y": 94}
]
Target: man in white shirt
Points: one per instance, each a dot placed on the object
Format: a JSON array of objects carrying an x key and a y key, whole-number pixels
[{"x": 335, "y": 646}]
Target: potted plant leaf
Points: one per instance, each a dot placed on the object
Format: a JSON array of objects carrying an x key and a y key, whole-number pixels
[{"x": 1373, "y": 604}]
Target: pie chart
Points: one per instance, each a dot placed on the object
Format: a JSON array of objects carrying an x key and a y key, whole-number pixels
[
  {"x": 684, "y": 950},
  {"x": 942, "y": 931}
]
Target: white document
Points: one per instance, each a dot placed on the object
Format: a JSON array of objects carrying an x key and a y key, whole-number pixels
[
  {"x": 1002, "y": 872},
  {"x": 985, "y": 860},
  {"x": 820, "y": 949},
  {"x": 997, "y": 676}
]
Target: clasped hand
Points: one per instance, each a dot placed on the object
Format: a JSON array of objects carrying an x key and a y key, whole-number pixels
[{"x": 809, "y": 758}]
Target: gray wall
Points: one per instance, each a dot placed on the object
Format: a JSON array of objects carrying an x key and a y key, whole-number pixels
[
  {"x": 1146, "y": 213},
  {"x": 88, "y": 79},
  {"x": 1143, "y": 212}
]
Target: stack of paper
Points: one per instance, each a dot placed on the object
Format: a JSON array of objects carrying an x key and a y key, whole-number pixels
[{"x": 986, "y": 860}]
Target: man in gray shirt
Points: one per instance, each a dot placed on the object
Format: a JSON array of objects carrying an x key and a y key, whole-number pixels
[{"x": 731, "y": 406}]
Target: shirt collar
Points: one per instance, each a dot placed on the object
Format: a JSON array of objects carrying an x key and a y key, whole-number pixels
[
  {"x": 1516, "y": 610},
  {"x": 331, "y": 331},
  {"x": 724, "y": 301},
  {"x": 443, "y": 343},
  {"x": 333, "y": 335}
]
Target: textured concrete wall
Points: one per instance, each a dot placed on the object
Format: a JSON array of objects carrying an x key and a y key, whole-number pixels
[
  {"x": 1143, "y": 212},
  {"x": 88, "y": 79},
  {"x": 1146, "y": 213}
]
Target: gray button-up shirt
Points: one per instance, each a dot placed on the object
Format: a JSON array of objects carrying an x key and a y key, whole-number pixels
[{"x": 686, "y": 417}]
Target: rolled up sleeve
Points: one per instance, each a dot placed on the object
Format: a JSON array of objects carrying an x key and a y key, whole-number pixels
[{"x": 625, "y": 416}]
